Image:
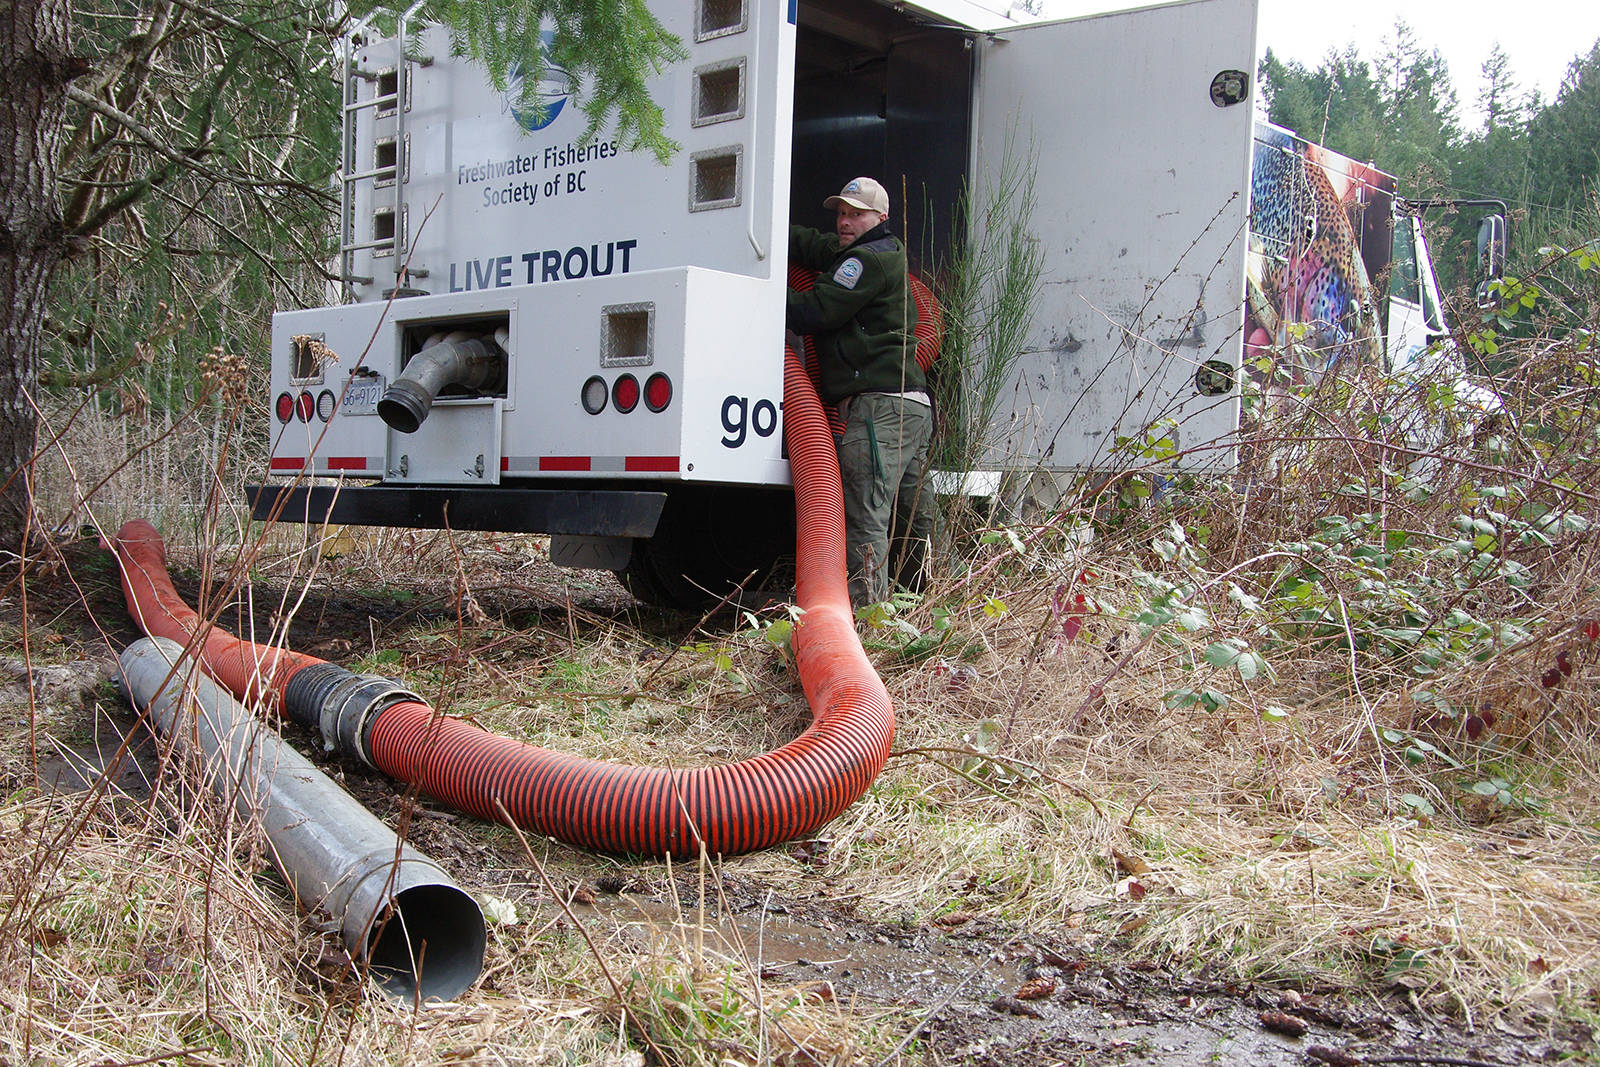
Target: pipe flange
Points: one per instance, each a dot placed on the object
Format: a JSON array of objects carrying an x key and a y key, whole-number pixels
[
  {"x": 330, "y": 700},
  {"x": 348, "y": 714}
]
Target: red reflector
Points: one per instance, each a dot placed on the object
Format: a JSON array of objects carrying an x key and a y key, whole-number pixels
[
  {"x": 285, "y": 407},
  {"x": 305, "y": 406},
  {"x": 625, "y": 394},
  {"x": 287, "y": 463},
  {"x": 658, "y": 392},
  {"x": 650, "y": 463},
  {"x": 563, "y": 463}
]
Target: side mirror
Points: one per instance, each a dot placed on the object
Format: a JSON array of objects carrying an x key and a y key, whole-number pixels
[{"x": 1491, "y": 256}]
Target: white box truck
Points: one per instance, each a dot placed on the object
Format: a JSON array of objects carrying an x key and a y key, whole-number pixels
[{"x": 539, "y": 334}]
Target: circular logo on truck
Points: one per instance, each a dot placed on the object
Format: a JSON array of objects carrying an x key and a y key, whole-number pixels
[{"x": 550, "y": 95}]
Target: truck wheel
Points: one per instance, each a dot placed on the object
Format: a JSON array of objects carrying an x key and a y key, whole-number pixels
[{"x": 709, "y": 540}]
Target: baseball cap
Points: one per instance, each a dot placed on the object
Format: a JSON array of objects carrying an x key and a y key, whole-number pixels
[{"x": 863, "y": 193}]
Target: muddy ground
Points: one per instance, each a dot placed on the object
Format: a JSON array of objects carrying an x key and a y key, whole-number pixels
[{"x": 976, "y": 991}]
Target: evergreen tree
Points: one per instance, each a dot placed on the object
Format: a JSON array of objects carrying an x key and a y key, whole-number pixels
[{"x": 1566, "y": 136}]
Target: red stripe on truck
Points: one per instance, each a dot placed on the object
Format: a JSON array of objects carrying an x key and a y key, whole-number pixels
[
  {"x": 651, "y": 463},
  {"x": 563, "y": 463}
]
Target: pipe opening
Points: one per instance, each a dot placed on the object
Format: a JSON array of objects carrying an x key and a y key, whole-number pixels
[
  {"x": 437, "y": 926},
  {"x": 460, "y": 359}
]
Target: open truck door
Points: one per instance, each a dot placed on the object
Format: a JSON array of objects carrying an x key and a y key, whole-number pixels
[{"x": 1139, "y": 126}]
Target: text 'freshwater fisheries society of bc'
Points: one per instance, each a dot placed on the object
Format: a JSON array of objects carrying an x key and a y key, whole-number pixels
[{"x": 558, "y": 172}]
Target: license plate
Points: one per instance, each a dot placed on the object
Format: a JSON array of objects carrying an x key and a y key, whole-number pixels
[{"x": 361, "y": 396}]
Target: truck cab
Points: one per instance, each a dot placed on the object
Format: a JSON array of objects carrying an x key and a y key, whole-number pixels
[{"x": 1339, "y": 276}]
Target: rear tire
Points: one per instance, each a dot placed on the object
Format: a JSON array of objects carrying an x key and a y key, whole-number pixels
[{"x": 711, "y": 541}]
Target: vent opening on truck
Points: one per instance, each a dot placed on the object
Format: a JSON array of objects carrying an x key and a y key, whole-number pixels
[
  {"x": 718, "y": 93},
  {"x": 413, "y": 334},
  {"x": 388, "y": 86},
  {"x": 383, "y": 230},
  {"x": 880, "y": 92},
  {"x": 307, "y": 356},
  {"x": 715, "y": 178},
  {"x": 628, "y": 335},
  {"x": 719, "y": 18},
  {"x": 386, "y": 161}
]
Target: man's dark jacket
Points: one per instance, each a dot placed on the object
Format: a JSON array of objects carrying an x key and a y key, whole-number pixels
[{"x": 859, "y": 312}]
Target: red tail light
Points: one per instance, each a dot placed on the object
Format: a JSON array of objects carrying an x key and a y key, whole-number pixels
[
  {"x": 625, "y": 393},
  {"x": 657, "y": 392}
]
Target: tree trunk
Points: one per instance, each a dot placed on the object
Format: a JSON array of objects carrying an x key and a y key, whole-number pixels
[{"x": 34, "y": 70}]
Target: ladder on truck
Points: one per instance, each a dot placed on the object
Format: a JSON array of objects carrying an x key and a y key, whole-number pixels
[{"x": 390, "y": 91}]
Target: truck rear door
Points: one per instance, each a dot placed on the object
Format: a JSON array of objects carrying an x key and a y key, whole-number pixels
[{"x": 1138, "y": 127}]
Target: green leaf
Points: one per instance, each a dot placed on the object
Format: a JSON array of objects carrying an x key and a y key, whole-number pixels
[
  {"x": 1221, "y": 654},
  {"x": 1417, "y": 804}
]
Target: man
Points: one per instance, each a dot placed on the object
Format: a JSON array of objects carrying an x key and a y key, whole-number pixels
[{"x": 860, "y": 315}]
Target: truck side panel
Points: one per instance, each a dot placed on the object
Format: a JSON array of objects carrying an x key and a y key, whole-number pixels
[{"x": 1141, "y": 218}]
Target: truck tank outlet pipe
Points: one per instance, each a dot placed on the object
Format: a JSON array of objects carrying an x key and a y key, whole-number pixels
[
  {"x": 727, "y": 809},
  {"x": 455, "y": 358},
  {"x": 420, "y": 936}
]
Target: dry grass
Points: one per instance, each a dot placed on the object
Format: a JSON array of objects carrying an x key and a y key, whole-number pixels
[
  {"x": 134, "y": 933},
  {"x": 1319, "y": 819}
]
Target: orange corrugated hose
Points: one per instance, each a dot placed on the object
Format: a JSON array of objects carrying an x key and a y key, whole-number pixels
[
  {"x": 248, "y": 670},
  {"x": 929, "y": 331},
  {"x": 732, "y": 808}
]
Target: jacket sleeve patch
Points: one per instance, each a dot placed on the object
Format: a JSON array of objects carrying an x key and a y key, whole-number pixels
[{"x": 849, "y": 273}]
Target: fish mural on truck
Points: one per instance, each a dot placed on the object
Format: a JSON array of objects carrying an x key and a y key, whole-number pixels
[{"x": 1321, "y": 230}]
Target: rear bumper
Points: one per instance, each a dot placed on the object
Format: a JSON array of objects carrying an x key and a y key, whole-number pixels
[{"x": 584, "y": 512}]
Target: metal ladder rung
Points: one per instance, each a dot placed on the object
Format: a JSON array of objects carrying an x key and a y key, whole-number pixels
[
  {"x": 362, "y": 175},
  {"x": 373, "y": 101},
  {"x": 387, "y": 242}
]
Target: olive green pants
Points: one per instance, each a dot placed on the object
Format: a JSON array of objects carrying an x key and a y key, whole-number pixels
[{"x": 888, "y": 506}]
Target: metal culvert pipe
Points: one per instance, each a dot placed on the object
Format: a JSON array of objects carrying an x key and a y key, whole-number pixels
[
  {"x": 446, "y": 359},
  {"x": 728, "y": 809},
  {"x": 418, "y": 934}
]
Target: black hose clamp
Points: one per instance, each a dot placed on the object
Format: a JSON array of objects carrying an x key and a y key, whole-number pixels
[{"x": 308, "y": 689}]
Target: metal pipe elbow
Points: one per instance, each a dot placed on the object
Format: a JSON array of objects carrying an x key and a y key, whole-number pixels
[{"x": 453, "y": 359}]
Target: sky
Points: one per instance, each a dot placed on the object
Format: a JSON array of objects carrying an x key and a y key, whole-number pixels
[{"x": 1540, "y": 37}]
